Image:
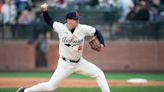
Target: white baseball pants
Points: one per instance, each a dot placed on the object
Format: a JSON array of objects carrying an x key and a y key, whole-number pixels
[{"x": 65, "y": 68}]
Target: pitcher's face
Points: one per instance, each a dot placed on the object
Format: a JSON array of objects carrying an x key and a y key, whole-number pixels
[{"x": 72, "y": 23}]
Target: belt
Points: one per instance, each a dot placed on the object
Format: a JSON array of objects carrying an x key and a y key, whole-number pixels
[{"x": 73, "y": 61}]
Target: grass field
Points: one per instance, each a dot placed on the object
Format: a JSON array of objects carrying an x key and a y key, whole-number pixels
[{"x": 109, "y": 76}]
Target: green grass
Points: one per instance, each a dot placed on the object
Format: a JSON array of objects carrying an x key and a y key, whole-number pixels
[
  {"x": 137, "y": 89},
  {"x": 111, "y": 76},
  {"x": 113, "y": 89}
]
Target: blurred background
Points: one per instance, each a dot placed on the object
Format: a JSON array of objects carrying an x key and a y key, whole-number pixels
[{"x": 133, "y": 31}]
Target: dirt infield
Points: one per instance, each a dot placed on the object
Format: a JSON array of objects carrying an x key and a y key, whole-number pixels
[{"x": 27, "y": 82}]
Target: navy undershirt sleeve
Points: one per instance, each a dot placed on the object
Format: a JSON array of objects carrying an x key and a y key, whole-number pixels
[
  {"x": 99, "y": 36},
  {"x": 48, "y": 19}
]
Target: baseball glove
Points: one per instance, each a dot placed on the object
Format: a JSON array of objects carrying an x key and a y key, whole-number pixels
[{"x": 95, "y": 44}]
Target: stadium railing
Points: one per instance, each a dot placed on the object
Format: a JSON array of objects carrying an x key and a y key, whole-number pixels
[{"x": 134, "y": 30}]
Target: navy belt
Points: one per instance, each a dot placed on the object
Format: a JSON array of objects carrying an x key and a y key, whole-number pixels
[{"x": 73, "y": 61}]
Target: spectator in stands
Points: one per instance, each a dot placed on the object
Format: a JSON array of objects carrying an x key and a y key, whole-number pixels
[
  {"x": 104, "y": 3},
  {"x": 154, "y": 14},
  {"x": 25, "y": 18},
  {"x": 53, "y": 3},
  {"x": 81, "y": 3},
  {"x": 115, "y": 3},
  {"x": 59, "y": 3},
  {"x": 109, "y": 3},
  {"x": 131, "y": 15},
  {"x": 23, "y": 5},
  {"x": 1, "y": 4},
  {"x": 143, "y": 13},
  {"x": 9, "y": 13},
  {"x": 156, "y": 2},
  {"x": 126, "y": 8},
  {"x": 72, "y": 3}
]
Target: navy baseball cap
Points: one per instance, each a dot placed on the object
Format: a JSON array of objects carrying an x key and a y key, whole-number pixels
[{"x": 72, "y": 15}]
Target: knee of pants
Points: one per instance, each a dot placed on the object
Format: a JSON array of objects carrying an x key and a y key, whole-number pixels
[
  {"x": 100, "y": 73},
  {"x": 50, "y": 86}
]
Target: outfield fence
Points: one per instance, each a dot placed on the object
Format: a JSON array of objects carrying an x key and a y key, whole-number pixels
[{"x": 132, "y": 31}]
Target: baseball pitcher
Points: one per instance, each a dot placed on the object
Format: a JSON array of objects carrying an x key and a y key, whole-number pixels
[{"x": 71, "y": 43}]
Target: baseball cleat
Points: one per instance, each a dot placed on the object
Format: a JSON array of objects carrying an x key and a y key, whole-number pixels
[{"x": 20, "y": 89}]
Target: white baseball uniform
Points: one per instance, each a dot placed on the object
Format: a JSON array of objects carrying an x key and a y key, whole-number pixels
[{"x": 71, "y": 49}]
